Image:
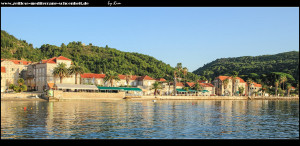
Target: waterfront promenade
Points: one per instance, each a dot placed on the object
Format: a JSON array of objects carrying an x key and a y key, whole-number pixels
[{"x": 93, "y": 96}]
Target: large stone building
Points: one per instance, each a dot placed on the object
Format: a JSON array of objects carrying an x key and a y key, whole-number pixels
[
  {"x": 142, "y": 82},
  {"x": 221, "y": 89},
  {"x": 208, "y": 87},
  {"x": 11, "y": 71},
  {"x": 40, "y": 75}
]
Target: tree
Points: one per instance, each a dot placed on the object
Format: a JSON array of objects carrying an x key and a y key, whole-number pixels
[
  {"x": 111, "y": 76},
  {"x": 283, "y": 79},
  {"x": 197, "y": 87},
  {"x": 276, "y": 83},
  {"x": 61, "y": 71},
  {"x": 20, "y": 81},
  {"x": 128, "y": 76},
  {"x": 23, "y": 88},
  {"x": 263, "y": 89},
  {"x": 185, "y": 71},
  {"x": 241, "y": 90},
  {"x": 177, "y": 72},
  {"x": 288, "y": 87},
  {"x": 234, "y": 74},
  {"x": 225, "y": 83},
  {"x": 186, "y": 89},
  {"x": 156, "y": 86},
  {"x": 76, "y": 69},
  {"x": 249, "y": 82}
]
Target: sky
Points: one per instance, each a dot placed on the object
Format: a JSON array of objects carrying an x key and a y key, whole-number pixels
[{"x": 193, "y": 36}]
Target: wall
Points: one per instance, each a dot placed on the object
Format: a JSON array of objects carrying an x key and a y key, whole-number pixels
[
  {"x": 21, "y": 95},
  {"x": 88, "y": 95}
]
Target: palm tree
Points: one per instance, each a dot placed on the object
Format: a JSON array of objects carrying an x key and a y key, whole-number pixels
[
  {"x": 225, "y": 83},
  {"x": 197, "y": 87},
  {"x": 263, "y": 89},
  {"x": 111, "y": 76},
  {"x": 76, "y": 69},
  {"x": 169, "y": 80},
  {"x": 60, "y": 71},
  {"x": 185, "y": 70},
  {"x": 241, "y": 90},
  {"x": 156, "y": 86},
  {"x": 276, "y": 86},
  {"x": 186, "y": 89},
  {"x": 282, "y": 80},
  {"x": 289, "y": 87},
  {"x": 128, "y": 76},
  {"x": 233, "y": 76},
  {"x": 177, "y": 72},
  {"x": 249, "y": 82}
]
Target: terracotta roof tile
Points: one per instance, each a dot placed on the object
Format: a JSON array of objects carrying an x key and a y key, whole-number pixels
[
  {"x": 257, "y": 85},
  {"x": 161, "y": 80},
  {"x": 3, "y": 69},
  {"x": 222, "y": 78},
  {"x": 134, "y": 77},
  {"x": 179, "y": 84},
  {"x": 53, "y": 59},
  {"x": 21, "y": 62},
  {"x": 146, "y": 78},
  {"x": 51, "y": 85},
  {"x": 191, "y": 84},
  {"x": 207, "y": 85},
  {"x": 92, "y": 75},
  {"x": 63, "y": 58}
]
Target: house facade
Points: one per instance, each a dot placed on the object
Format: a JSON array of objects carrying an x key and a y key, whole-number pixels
[
  {"x": 11, "y": 71},
  {"x": 40, "y": 74},
  {"x": 221, "y": 88},
  {"x": 207, "y": 87}
]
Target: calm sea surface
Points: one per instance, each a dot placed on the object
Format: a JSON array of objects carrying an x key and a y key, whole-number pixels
[{"x": 172, "y": 119}]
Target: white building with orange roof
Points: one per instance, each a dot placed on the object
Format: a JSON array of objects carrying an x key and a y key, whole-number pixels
[
  {"x": 255, "y": 89},
  {"x": 40, "y": 74},
  {"x": 92, "y": 78},
  {"x": 221, "y": 89},
  {"x": 208, "y": 87},
  {"x": 3, "y": 78},
  {"x": 12, "y": 70}
]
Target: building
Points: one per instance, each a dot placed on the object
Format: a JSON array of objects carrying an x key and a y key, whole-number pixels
[
  {"x": 142, "y": 82},
  {"x": 92, "y": 78},
  {"x": 255, "y": 89},
  {"x": 11, "y": 71},
  {"x": 207, "y": 88},
  {"x": 222, "y": 89},
  {"x": 40, "y": 74}
]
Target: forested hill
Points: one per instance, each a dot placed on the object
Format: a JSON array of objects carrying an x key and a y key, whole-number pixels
[
  {"x": 287, "y": 62},
  {"x": 92, "y": 58}
]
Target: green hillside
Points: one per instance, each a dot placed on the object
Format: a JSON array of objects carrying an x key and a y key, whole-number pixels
[
  {"x": 92, "y": 58},
  {"x": 287, "y": 62}
]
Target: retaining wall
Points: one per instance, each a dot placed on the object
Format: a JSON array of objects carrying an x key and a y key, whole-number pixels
[
  {"x": 19, "y": 95},
  {"x": 216, "y": 98},
  {"x": 87, "y": 95}
]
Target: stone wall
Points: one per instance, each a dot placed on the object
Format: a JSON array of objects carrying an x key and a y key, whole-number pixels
[
  {"x": 19, "y": 95},
  {"x": 216, "y": 98},
  {"x": 87, "y": 95}
]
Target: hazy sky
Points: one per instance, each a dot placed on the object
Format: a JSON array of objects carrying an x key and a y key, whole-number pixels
[{"x": 193, "y": 36}]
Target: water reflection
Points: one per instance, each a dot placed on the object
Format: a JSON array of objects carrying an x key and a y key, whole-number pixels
[{"x": 204, "y": 119}]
